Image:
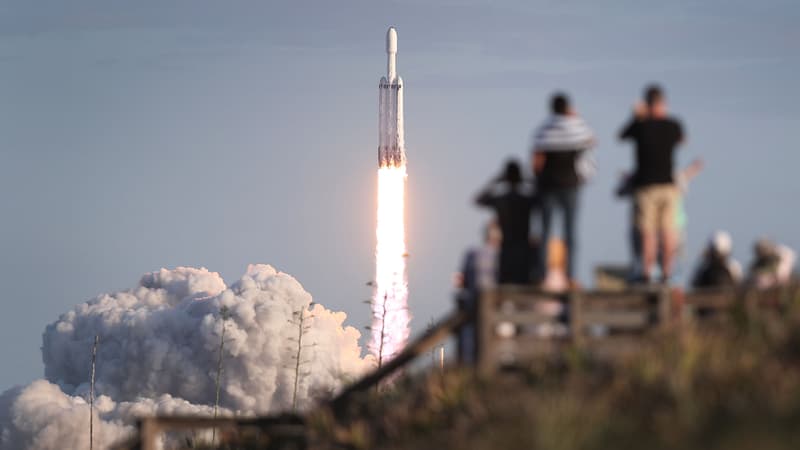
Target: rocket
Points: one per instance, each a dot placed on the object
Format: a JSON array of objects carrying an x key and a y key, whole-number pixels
[{"x": 391, "y": 144}]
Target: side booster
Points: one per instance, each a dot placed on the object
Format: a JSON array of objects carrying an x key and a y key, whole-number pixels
[{"x": 391, "y": 144}]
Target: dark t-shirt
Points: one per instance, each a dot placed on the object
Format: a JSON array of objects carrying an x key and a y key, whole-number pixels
[
  {"x": 513, "y": 209},
  {"x": 655, "y": 140},
  {"x": 559, "y": 170}
]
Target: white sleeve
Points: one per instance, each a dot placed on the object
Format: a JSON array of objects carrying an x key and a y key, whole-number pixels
[{"x": 736, "y": 270}]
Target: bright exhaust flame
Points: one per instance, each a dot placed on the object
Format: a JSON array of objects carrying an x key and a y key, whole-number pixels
[{"x": 390, "y": 315}]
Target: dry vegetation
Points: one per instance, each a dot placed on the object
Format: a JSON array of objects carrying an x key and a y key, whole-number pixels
[{"x": 734, "y": 387}]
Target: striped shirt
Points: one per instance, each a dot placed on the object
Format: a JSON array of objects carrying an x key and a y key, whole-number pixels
[{"x": 563, "y": 140}]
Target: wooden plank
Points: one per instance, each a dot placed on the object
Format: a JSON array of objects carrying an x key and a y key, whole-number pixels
[
  {"x": 284, "y": 426},
  {"x": 712, "y": 299},
  {"x": 611, "y": 347},
  {"x": 519, "y": 351},
  {"x": 529, "y": 297},
  {"x": 533, "y": 339},
  {"x": 194, "y": 422},
  {"x": 606, "y": 301},
  {"x": 616, "y": 319},
  {"x": 524, "y": 318},
  {"x": 621, "y": 304},
  {"x": 533, "y": 334}
]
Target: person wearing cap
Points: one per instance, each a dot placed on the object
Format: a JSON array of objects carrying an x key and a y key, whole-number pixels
[
  {"x": 512, "y": 200},
  {"x": 717, "y": 267},
  {"x": 772, "y": 266}
]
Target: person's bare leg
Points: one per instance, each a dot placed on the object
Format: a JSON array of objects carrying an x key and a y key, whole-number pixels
[
  {"x": 649, "y": 251},
  {"x": 669, "y": 241}
]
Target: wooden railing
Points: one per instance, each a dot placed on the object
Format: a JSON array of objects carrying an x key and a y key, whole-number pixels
[
  {"x": 518, "y": 324},
  {"x": 276, "y": 432},
  {"x": 435, "y": 334}
]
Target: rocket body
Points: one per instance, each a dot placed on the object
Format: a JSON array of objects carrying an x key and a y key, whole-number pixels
[
  {"x": 391, "y": 143},
  {"x": 390, "y": 314}
]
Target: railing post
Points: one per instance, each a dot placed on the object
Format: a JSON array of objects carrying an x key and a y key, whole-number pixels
[
  {"x": 576, "y": 328},
  {"x": 664, "y": 307},
  {"x": 484, "y": 319},
  {"x": 148, "y": 432}
]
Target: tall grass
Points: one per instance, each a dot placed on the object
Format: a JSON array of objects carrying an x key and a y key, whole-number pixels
[{"x": 733, "y": 385}]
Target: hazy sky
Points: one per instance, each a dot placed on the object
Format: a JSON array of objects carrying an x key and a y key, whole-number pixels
[{"x": 149, "y": 134}]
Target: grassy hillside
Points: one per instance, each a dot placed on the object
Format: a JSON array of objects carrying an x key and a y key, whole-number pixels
[{"x": 733, "y": 387}]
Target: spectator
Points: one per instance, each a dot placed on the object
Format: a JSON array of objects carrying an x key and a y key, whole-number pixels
[
  {"x": 718, "y": 268},
  {"x": 512, "y": 201},
  {"x": 656, "y": 197},
  {"x": 558, "y": 160},
  {"x": 773, "y": 264},
  {"x": 478, "y": 273}
]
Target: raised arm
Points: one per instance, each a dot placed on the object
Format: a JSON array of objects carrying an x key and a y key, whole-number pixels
[
  {"x": 629, "y": 130},
  {"x": 486, "y": 197},
  {"x": 639, "y": 114},
  {"x": 693, "y": 169}
]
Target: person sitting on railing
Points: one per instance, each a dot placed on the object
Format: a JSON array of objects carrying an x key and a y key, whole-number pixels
[
  {"x": 717, "y": 267},
  {"x": 773, "y": 264},
  {"x": 512, "y": 201},
  {"x": 478, "y": 273}
]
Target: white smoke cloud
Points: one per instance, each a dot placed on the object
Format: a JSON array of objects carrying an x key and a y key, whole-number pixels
[
  {"x": 42, "y": 416},
  {"x": 158, "y": 352}
]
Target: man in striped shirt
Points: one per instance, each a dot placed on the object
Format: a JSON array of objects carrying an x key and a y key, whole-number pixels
[{"x": 559, "y": 163}]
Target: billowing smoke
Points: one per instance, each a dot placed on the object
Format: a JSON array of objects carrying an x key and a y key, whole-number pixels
[{"x": 158, "y": 353}]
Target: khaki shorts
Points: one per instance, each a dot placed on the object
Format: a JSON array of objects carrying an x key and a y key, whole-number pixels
[{"x": 657, "y": 207}]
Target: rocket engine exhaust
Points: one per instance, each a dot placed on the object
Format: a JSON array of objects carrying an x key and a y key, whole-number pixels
[{"x": 390, "y": 315}]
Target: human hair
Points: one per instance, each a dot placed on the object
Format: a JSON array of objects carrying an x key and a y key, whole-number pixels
[
  {"x": 513, "y": 172},
  {"x": 653, "y": 94},
  {"x": 559, "y": 103}
]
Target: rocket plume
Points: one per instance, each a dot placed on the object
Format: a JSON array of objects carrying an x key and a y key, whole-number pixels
[{"x": 390, "y": 315}]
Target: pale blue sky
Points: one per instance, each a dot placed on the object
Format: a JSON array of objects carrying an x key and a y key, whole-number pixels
[{"x": 141, "y": 135}]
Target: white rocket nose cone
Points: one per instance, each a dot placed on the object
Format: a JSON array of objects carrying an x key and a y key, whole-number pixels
[{"x": 391, "y": 40}]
